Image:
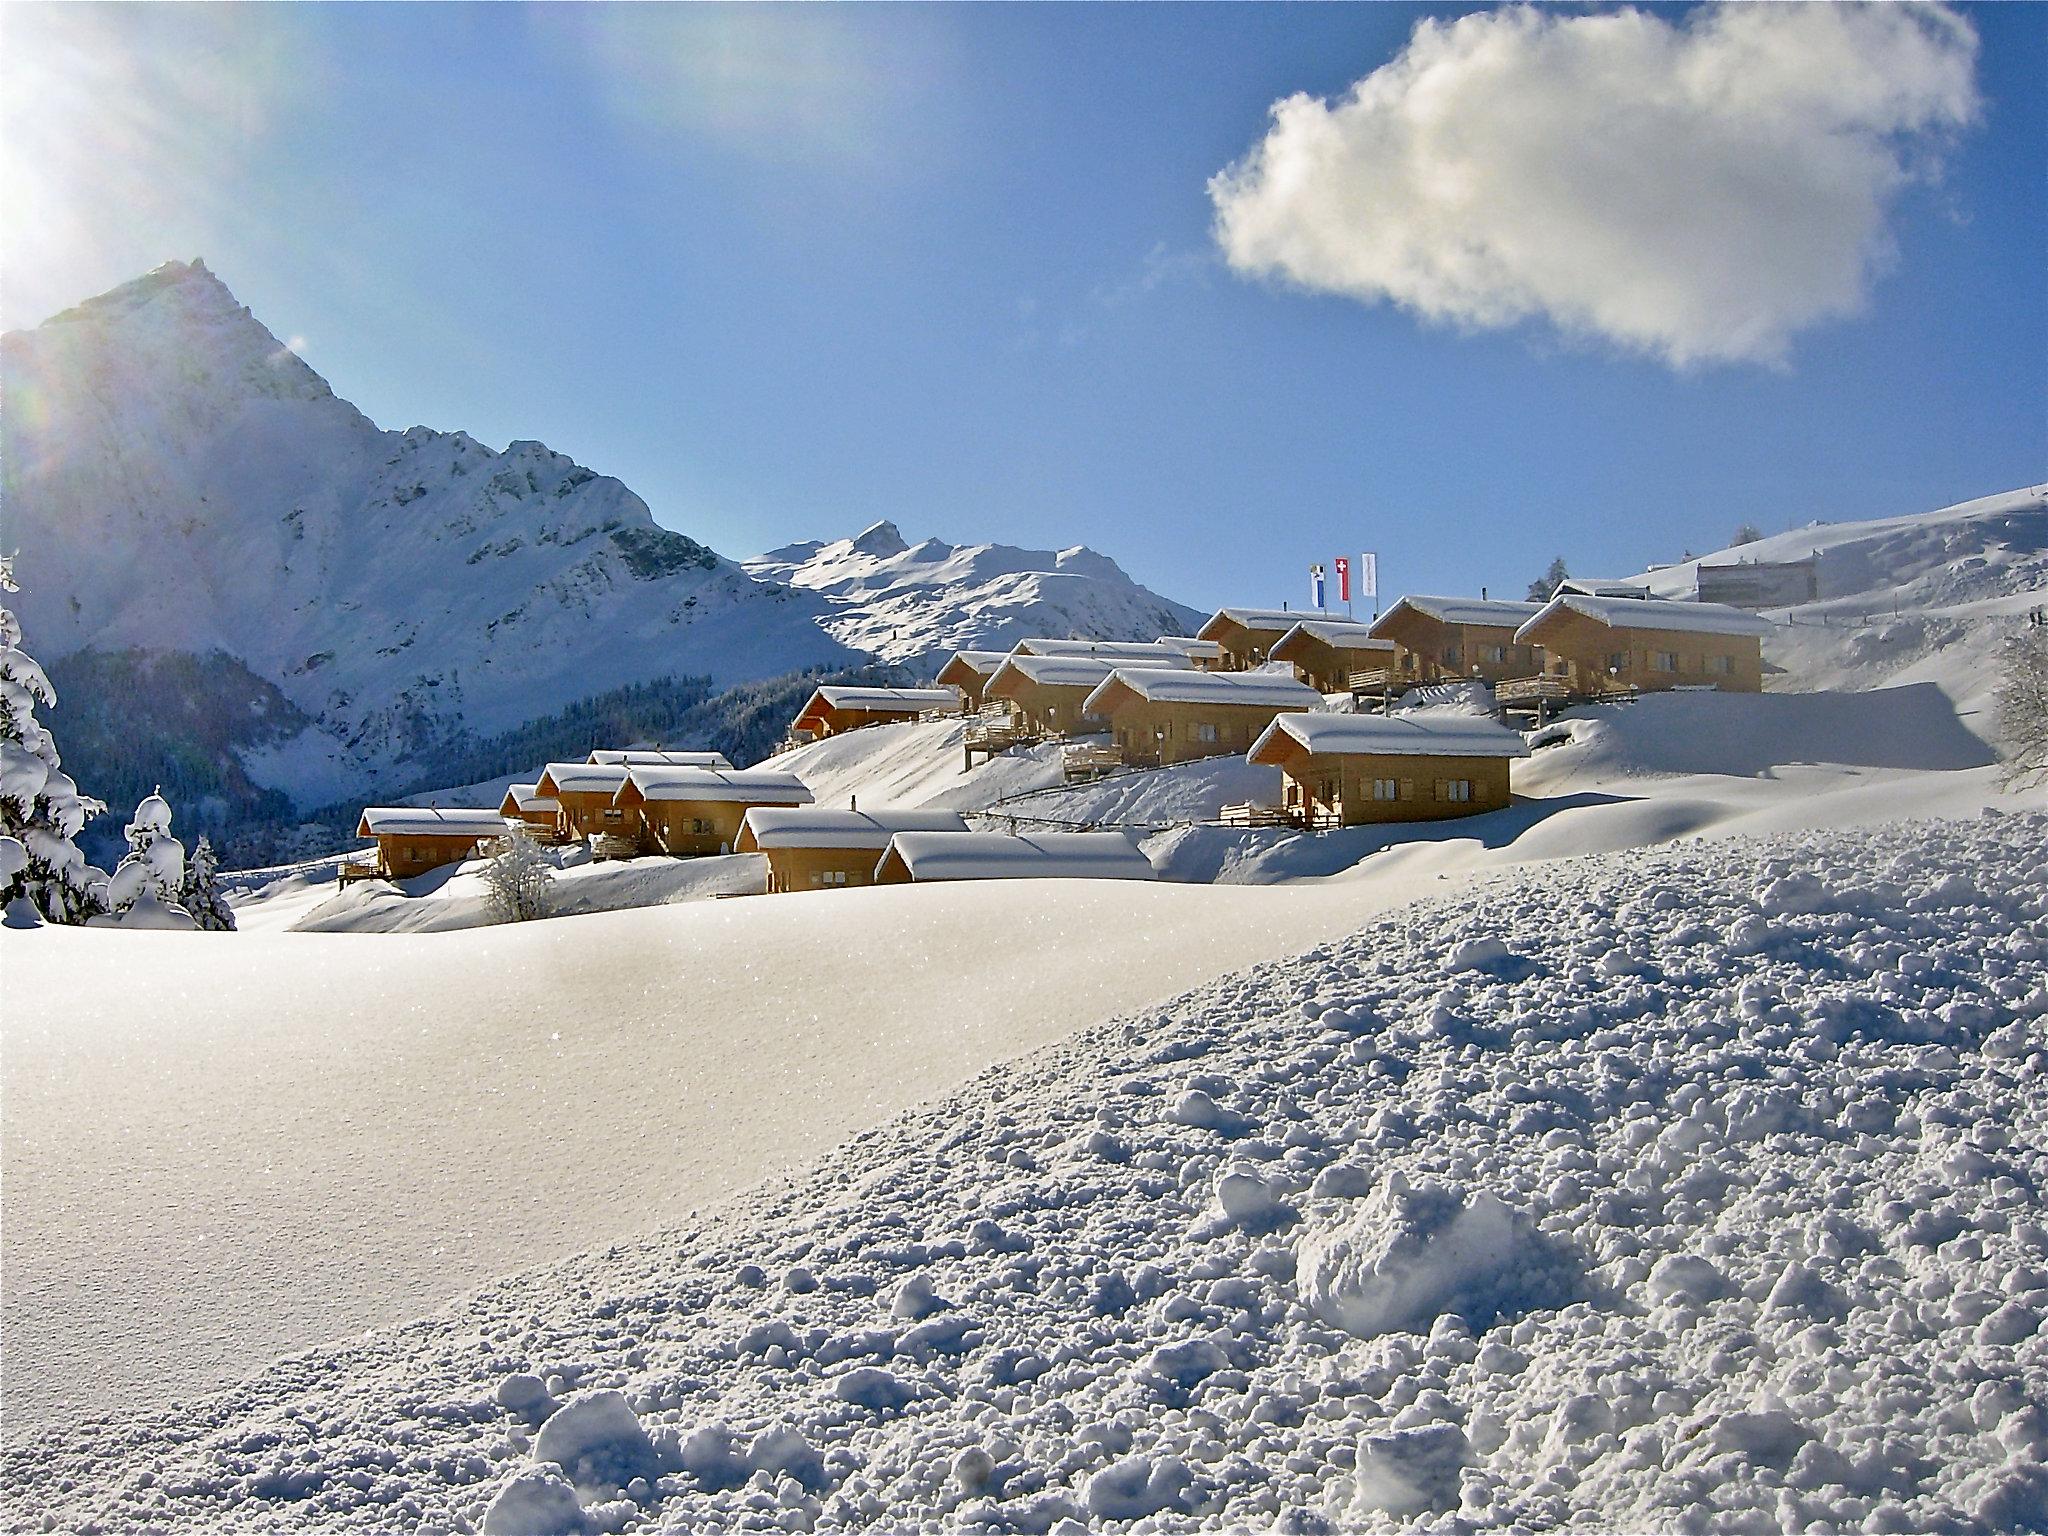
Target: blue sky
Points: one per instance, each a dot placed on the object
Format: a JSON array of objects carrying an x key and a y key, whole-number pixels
[{"x": 787, "y": 271}]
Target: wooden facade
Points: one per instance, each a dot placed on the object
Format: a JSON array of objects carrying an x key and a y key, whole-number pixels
[
  {"x": 1447, "y": 639},
  {"x": 526, "y": 804},
  {"x": 1049, "y": 694},
  {"x": 1245, "y": 637},
  {"x": 968, "y": 672},
  {"x": 1326, "y": 652},
  {"x": 414, "y": 839},
  {"x": 1597, "y": 645},
  {"x": 587, "y": 794},
  {"x": 1355, "y": 770},
  {"x": 692, "y": 812},
  {"x": 1158, "y": 718},
  {"x": 813, "y": 848},
  {"x": 845, "y": 707}
]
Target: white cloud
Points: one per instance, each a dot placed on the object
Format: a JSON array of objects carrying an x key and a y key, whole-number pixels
[{"x": 1698, "y": 190}]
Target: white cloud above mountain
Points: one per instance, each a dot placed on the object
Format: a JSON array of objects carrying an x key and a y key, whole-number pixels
[{"x": 1699, "y": 189}]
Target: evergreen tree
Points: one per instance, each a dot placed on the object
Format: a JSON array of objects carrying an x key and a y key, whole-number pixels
[
  {"x": 1748, "y": 533},
  {"x": 41, "y": 810},
  {"x": 518, "y": 880},
  {"x": 155, "y": 862},
  {"x": 201, "y": 896},
  {"x": 1539, "y": 591}
]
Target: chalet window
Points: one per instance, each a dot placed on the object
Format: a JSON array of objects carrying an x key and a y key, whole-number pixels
[
  {"x": 1326, "y": 791},
  {"x": 700, "y": 826},
  {"x": 1663, "y": 661},
  {"x": 1205, "y": 730},
  {"x": 1617, "y": 661},
  {"x": 1721, "y": 666},
  {"x": 1386, "y": 789},
  {"x": 1456, "y": 790},
  {"x": 1493, "y": 653},
  {"x": 1452, "y": 655},
  {"x": 831, "y": 877},
  {"x": 614, "y": 815}
]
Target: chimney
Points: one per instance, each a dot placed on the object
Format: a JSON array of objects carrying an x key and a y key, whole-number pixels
[
  {"x": 1482, "y": 594},
  {"x": 853, "y": 802}
]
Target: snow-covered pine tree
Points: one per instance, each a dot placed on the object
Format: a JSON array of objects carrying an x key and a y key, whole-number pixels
[
  {"x": 155, "y": 861},
  {"x": 201, "y": 896},
  {"x": 41, "y": 810},
  {"x": 518, "y": 880}
]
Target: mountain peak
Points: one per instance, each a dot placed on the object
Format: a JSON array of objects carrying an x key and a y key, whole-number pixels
[
  {"x": 880, "y": 540},
  {"x": 193, "y": 280}
]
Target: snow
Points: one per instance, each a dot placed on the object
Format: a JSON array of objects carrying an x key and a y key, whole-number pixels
[
  {"x": 1069, "y": 671},
  {"x": 1559, "y": 1296},
  {"x": 429, "y": 821},
  {"x": 1278, "y": 620},
  {"x": 761, "y": 786},
  {"x": 527, "y": 800},
  {"x": 1439, "y": 732},
  {"x": 884, "y": 699},
  {"x": 1489, "y": 613},
  {"x": 1341, "y": 633},
  {"x": 583, "y": 778},
  {"x": 632, "y": 756},
  {"x": 927, "y": 856},
  {"x": 1190, "y": 687},
  {"x": 917, "y": 604},
  {"x": 1136, "y": 650},
  {"x": 817, "y": 827},
  {"x": 1649, "y": 613}
]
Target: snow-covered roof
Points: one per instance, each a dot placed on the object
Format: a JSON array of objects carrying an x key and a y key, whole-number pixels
[
  {"x": 817, "y": 826},
  {"x": 1593, "y": 586},
  {"x": 1136, "y": 649},
  {"x": 755, "y": 786},
  {"x": 980, "y": 663},
  {"x": 1084, "y": 671},
  {"x": 1417, "y": 733},
  {"x": 1190, "y": 646},
  {"x": 1490, "y": 613},
  {"x": 429, "y": 821},
  {"x": 634, "y": 755},
  {"x": 884, "y": 700},
  {"x": 528, "y": 799},
  {"x": 1651, "y": 613},
  {"x": 583, "y": 778},
  {"x": 1340, "y": 633},
  {"x": 1264, "y": 689},
  {"x": 1279, "y": 620},
  {"x": 1036, "y": 855}
]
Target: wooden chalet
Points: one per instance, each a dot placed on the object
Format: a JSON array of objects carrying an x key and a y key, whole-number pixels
[
  {"x": 587, "y": 794},
  {"x": 1158, "y": 717},
  {"x": 838, "y": 707},
  {"x": 659, "y": 757},
  {"x": 1206, "y": 654},
  {"x": 1327, "y": 653},
  {"x": 1445, "y": 639},
  {"x": 930, "y": 856},
  {"x": 1049, "y": 694},
  {"x": 810, "y": 847},
  {"x": 1423, "y": 765},
  {"x": 969, "y": 672},
  {"x": 412, "y": 839},
  {"x": 525, "y": 803},
  {"x": 1597, "y": 645},
  {"x": 1245, "y": 637},
  {"x": 689, "y": 812},
  {"x": 1140, "y": 652}
]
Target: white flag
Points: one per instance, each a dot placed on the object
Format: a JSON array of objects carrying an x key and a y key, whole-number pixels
[{"x": 1369, "y": 574}]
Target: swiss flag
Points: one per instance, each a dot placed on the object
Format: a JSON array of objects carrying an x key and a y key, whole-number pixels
[{"x": 1343, "y": 565}]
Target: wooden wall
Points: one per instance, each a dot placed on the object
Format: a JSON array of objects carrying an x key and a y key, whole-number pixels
[
  {"x": 1346, "y": 783},
  {"x": 1162, "y": 733},
  {"x": 1590, "y": 655}
]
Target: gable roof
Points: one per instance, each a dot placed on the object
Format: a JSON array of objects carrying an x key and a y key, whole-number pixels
[
  {"x": 429, "y": 821},
  {"x": 1593, "y": 586},
  {"x": 1082, "y": 671},
  {"x": 1257, "y": 689},
  {"x": 1416, "y": 733},
  {"x": 1651, "y": 613},
  {"x": 1000, "y": 856},
  {"x": 816, "y": 826},
  {"x": 1136, "y": 649},
  {"x": 527, "y": 798},
  {"x": 882, "y": 700},
  {"x": 982, "y": 664},
  {"x": 633, "y": 755},
  {"x": 582, "y": 778},
  {"x": 1338, "y": 633},
  {"x": 1277, "y": 620},
  {"x": 1488, "y": 613},
  {"x": 1190, "y": 646},
  {"x": 754, "y": 786}
]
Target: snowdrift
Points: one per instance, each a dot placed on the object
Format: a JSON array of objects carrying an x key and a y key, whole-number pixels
[{"x": 1696, "y": 1187}]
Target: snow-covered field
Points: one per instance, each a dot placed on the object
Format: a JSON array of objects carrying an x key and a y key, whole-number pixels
[{"x": 1688, "y": 1188}]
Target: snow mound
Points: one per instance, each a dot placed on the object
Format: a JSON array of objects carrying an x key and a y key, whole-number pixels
[
  {"x": 538, "y": 1502},
  {"x": 598, "y": 1441},
  {"x": 1406, "y": 1256}
]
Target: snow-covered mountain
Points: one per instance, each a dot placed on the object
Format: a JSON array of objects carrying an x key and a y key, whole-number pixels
[
  {"x": 912, "y": 603},
  {"x": 179, "y": 482}
]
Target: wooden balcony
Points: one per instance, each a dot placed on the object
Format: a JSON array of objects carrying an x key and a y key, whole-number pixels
[{"x": 1082, "y": 761}]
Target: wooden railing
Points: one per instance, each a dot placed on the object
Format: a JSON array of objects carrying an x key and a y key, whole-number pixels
[{"x": 1081, "y": 761}]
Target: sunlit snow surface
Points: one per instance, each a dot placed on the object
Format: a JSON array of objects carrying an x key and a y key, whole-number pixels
[{"x": 1692, "y": 1186}]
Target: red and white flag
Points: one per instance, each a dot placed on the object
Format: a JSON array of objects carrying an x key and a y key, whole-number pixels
[{"x": 1343, "y": 565}]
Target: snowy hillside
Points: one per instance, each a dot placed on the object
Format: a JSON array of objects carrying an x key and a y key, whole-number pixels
[
  {"x": 1925, "y": 598},
  {"x": 176, "y": 479},
  {"x": 1759, "y": 1247},
  {"x": 916, "y": 604}
]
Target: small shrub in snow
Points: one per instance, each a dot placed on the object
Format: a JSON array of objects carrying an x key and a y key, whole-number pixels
[
  {"x": 144, "y": 889},
  {"x": 2023, "y": 706},
  {"x": 518, "y": 880},
  {"x": 201, "y": 894}
]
